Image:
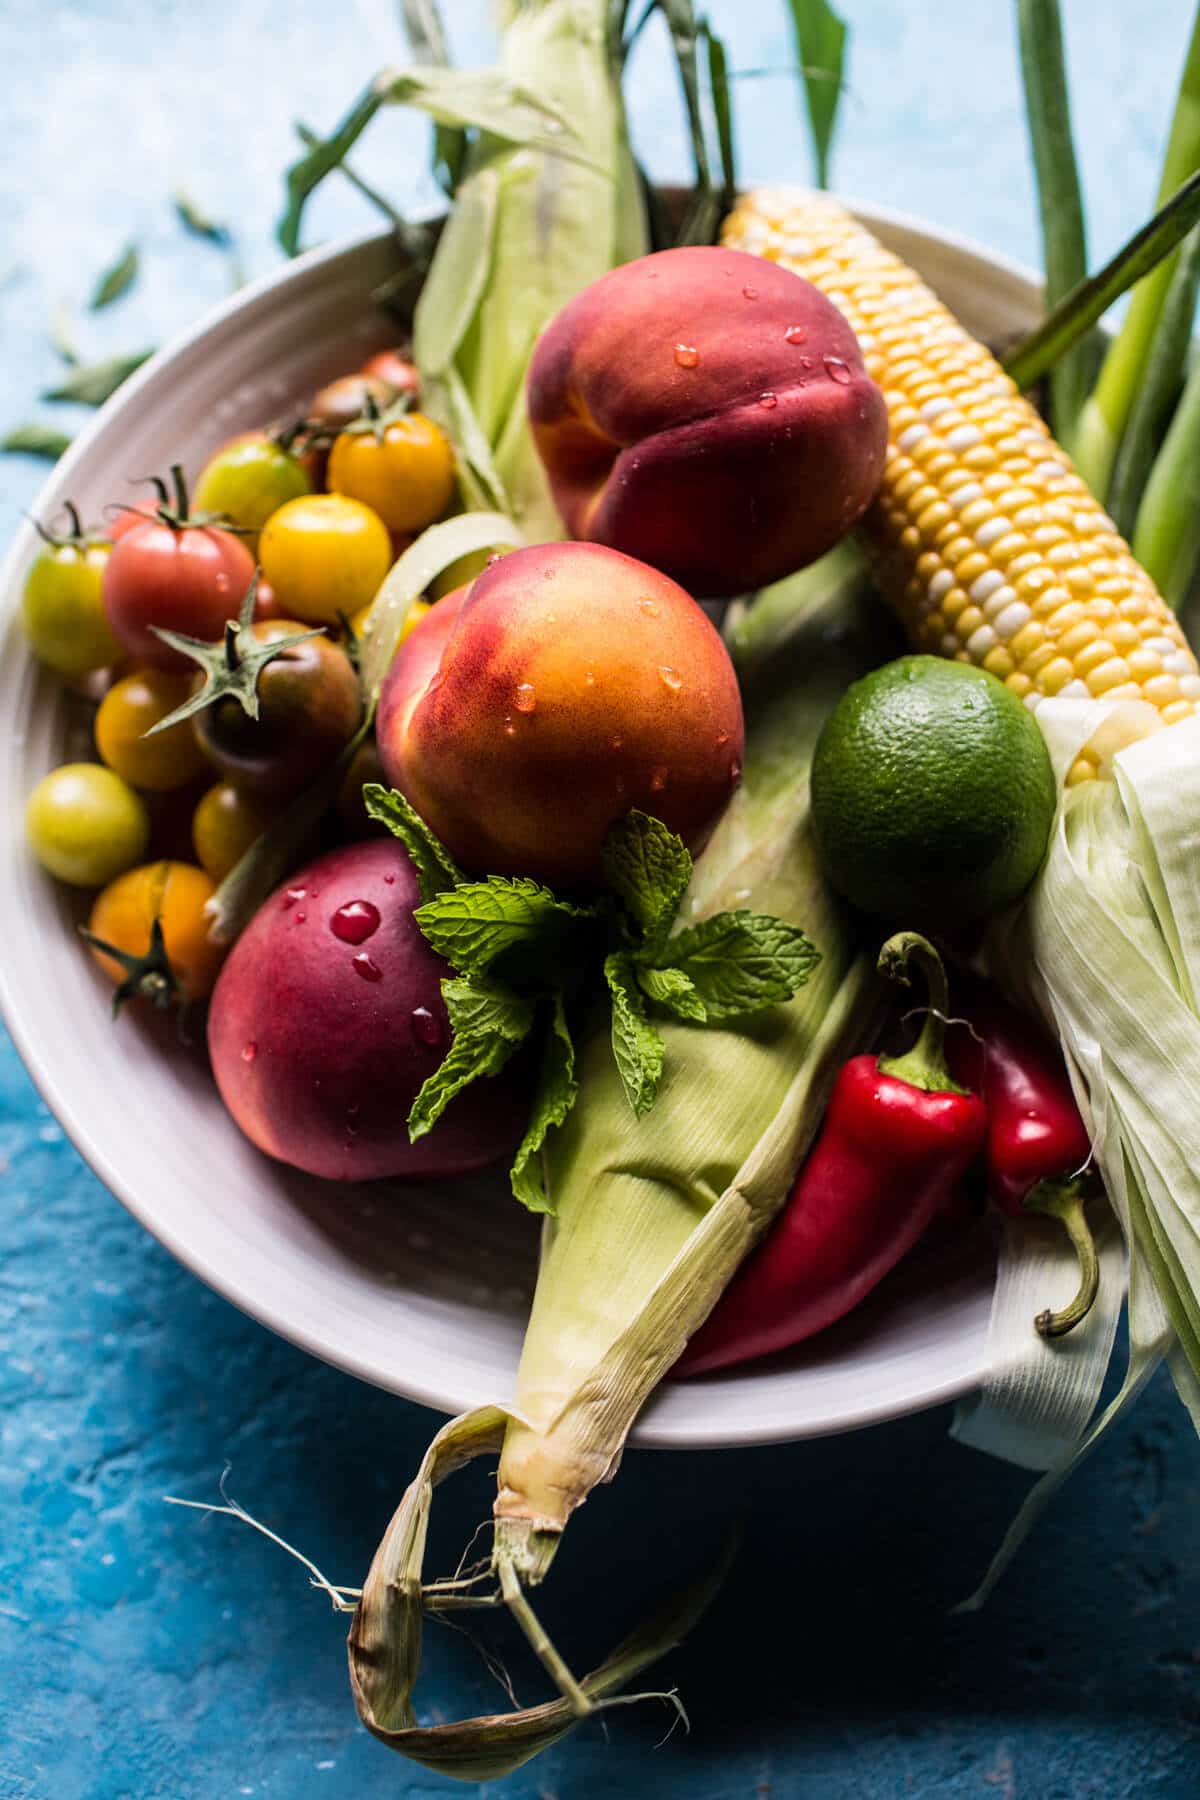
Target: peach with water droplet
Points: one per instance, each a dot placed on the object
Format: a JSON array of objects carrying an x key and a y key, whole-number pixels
[
  {"x": 678, "y": 422},
  {"x": 521, "y": 747},
  {"x": 315, "y": 1024}
]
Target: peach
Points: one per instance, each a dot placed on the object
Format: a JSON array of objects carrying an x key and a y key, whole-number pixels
[
  {"x": 567, "y": 684},
  {"x": 709, "y": 412},
  {"x": 327, "y": 1018}
]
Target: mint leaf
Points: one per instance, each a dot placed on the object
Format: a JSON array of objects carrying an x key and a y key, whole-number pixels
[
  {"x": 477, "y": 922},
  {"x": 648, "y": 867},
  {"x": 488, "y": 1022},
  {"x": 436, "y": 868},
  {"x": 116, "y": 280},
  {"x": 637, "y": 1046},
  {"x": 95, "y": 383},
  {"x": 556, "y": 1092},
  {"x": 674, "y": 990},
  {"x": 741, "y": 962},
  {"x": 35, "y": 440}
]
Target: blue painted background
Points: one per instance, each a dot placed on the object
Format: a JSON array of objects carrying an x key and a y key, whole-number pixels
[{"x": 146, "y": 1653}]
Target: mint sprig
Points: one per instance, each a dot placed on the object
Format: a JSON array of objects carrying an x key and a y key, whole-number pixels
[{"x": 521, "y": 954}]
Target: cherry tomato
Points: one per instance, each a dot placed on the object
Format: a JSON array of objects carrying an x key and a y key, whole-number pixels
[
  {"x": 248, "y": 479},
  {"x": 396, "y": 369},
  {"x": 266, "y": 606},
  {"x": 174, "y": 893},
  {"x": 324, "y": 555},
  {"x": 403, "y": 470},
  {"x": 170, "y": 758},
  {"x": 224, "y": 825},
  {"x": 365, "y": 767},
  {"x": 309, "y": 707},
  {"x": 340, "y": 402},
  {"x": 62, "y": 607},
  {"x": 85, "y": 824},
  {"x": 188, "y": 578}
]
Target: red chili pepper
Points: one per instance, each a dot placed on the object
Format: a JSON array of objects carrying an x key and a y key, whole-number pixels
[
  {"x": 897, "y": 1139},
  {"x": 1038, "y": 1149}
]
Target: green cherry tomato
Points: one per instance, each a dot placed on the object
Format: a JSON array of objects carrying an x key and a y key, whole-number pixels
[
  {"x": 224, "y": 825},
  {"x": 85, "y": 825},
  {"x": 248, "y": 479},
  {"x": 62, "y": 608}
]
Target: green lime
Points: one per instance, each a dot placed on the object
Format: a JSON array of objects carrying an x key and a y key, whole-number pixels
[{"x": 932, "y": 793}]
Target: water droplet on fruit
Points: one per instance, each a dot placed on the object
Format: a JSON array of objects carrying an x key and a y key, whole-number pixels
[
  {"x": 525, "y": 700},
  {"x": 249, "y": 1051},
  {"x": 366, "y": 966},
  {"x": 768, "y": 401},
  {"x": 751, "y": 293},
  {"x": 837, "y": 370},
  {"x": 617, "y": 742},
  {"x": 510, "y": 729},
  {"x": 687, "y": 355},
  {"x": 648, "y": 607},
  {"x": 795, "y": 334},
  {"x": 299, "y": 918},
  {"x": 390, "y": 880},
  {"x": 493, "y": 558},
  {"x": 806, "y": 362},
  {"x": 735, "y": 770},
  {"x": 549, "y": 574},
  {"x": 722, "y": 739},
  {"x": 658, "y": 779},
  {"x": 551, "y": 619},
  {"x": 589, "y": 678},
  {"x": 670, "y": 678},
  {"x": 314, "y": 893},
  {"x": 221, "y": 582},
  {"x": 355, "y": 922},
  {"x": 290, "y": 897},
  {"x": 425, "y": 1028}
]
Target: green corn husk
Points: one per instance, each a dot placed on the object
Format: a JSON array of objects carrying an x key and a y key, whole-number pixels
[
  {"x": 652, "y": 1218},
  {"x": 528, "y": 230}
]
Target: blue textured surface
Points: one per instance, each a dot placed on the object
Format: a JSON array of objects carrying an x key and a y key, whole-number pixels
[{"x": 147, "y": 1653}]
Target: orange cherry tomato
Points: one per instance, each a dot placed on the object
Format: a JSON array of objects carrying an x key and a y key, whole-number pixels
[
  {"x": 224, "y": 825},
  {"x": 174, "y": 893},
  {"x": 402, "y": 470},
  {"x": 169, "y": 759}
]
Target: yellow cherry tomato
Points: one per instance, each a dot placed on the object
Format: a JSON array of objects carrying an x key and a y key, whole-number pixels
[
  {"x": 404, "y": 470},
  {"x": 62, "y": 608},
  {"x": 170, "y": 758},
  {"x": 174, "y": 893},
  {"x": 224, "y": 825},
  {"x": 86, "y": 825},
  {"x": 324, "y": 556}
]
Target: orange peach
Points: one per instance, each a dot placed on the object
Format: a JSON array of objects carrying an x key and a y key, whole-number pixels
[
  {"x": 709, "y": 412},
  {"x": 567, "y": 684}
]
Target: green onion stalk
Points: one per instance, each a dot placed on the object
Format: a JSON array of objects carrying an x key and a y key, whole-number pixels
[{"x": 1095, "y": 442}]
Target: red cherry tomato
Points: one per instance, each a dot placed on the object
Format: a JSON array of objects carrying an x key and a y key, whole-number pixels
[
  {"x": 188, "y": 578},
  {"x": 394, "y": 367}
]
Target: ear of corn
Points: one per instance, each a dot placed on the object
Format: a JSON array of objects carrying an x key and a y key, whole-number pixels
[{"x": 985, "y": 538}]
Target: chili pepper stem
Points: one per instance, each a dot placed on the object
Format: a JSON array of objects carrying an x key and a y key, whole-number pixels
[
  {"x": 924, "y": 1066},
  {"x": 1065, "y": 1202}
]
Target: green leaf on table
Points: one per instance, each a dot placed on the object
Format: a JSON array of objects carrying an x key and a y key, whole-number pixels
[
  {"x": 674, "y": 991},
  {"x": 116, "y": 280},
  {"x": 436, "y": 868},
  {"x": 198, "y": 222},
  {"x": 95, "y": 383},
  {"x": 62, "y": 336},
  {"x": 475, "y": 923},
  {"x": 648, "y": 868},
  {"x": 35, "y": 440},
  {"x": 821, "y": 44},
  {"x": 741, "y": 962},
  {"x": 489, "y": 1022},
  {"x": 556, "y": 1094},
  {"x": 637, "y": 1045}
]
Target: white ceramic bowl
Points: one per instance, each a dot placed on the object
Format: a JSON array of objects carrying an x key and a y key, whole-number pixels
[{"x": 419, "y": 1290}]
